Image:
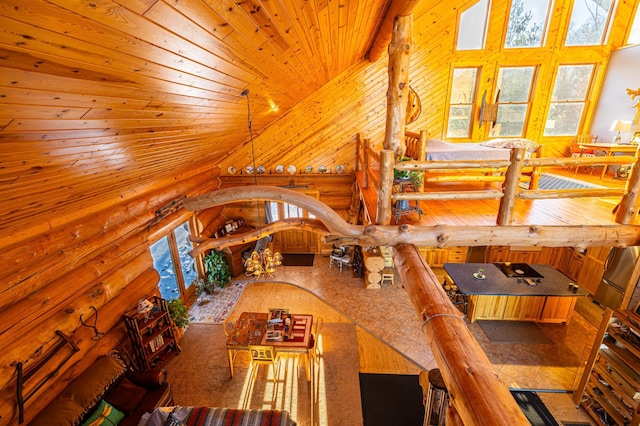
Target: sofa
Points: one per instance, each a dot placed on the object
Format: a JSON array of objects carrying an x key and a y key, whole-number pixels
[{"x": 106, "y": 390}]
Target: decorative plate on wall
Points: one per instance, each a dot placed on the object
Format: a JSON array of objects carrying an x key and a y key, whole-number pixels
[
  {"x": 261, "y": 170},
  {"x": 322, "y": 169},
  {"x": 231, "y": 170},
  {"x": 308, "y": 169},
  {"x": 292, "y": 169},
  {"x": 340, "y": 169},
  {"x": 248, "y": 170},
  {"x": 280, "y": 169}
]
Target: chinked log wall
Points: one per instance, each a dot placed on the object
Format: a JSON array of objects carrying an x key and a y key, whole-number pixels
[{"x": 51, "y": 279}]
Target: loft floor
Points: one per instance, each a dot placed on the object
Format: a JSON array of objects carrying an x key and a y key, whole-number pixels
[{"x": 555, "y": 212}]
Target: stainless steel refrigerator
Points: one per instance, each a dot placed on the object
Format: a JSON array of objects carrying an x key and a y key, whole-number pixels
[{"x": 617, "y": 272}]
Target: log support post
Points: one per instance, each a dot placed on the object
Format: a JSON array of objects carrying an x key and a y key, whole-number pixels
[
  {"x": 367, "y": 163},
  {"x": 476, "y": 392},
  {"x": 510, "y": 188},
  {"x": 387, "y": 162},
  {"x": 359, "y": 152},
  {"x": 398, "y": 89},
  {"x": 628, "y": 207}
]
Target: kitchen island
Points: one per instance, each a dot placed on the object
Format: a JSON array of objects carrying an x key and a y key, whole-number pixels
[{"x": 515, "y": 291}]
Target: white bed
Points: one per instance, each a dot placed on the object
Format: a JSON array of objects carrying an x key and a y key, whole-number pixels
[{"x": 438, "y": 150}]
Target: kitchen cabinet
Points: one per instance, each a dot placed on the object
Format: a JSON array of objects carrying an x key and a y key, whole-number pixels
[
  {"x": 498, "y": 254},
  {"x": 436, "y": 257},
  {"x": 576, "y": 261},
  {"x": 592, "y": 269},
  {"x": 610, "y": 388}
]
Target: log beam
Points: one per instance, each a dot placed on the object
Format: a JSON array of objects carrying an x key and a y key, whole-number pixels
[
  {"x": 475, "y": 390},
  {"x": 432, "y": 236},
  {"x": 398, "y": 87},
  {"x": 383, "y": 37}
]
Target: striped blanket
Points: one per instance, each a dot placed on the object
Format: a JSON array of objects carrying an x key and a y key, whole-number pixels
[{"x": 212, "y": 416}]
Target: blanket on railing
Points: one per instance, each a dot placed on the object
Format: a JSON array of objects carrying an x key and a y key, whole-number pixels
[{"x": 215, "y": 416}]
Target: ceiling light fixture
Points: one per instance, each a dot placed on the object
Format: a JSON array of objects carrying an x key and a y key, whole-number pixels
[{"x": 262, "y": 262}]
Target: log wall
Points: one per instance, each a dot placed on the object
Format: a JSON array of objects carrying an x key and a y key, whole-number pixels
[{"x": 51, "y": 279}]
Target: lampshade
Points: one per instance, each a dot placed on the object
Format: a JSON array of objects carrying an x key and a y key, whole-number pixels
[
  {"x": 144, "y": 306},
  {"x": 620, "y": 126}
]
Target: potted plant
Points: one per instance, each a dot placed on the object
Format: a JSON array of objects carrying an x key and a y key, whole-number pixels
[
  {"x": 416, "y": 177},
  {"x": 218, "y": 271},
  {"x": 401, "y": 174},
  {"x": 203, "y": 286},
  {"x": 178, "y": 313}
]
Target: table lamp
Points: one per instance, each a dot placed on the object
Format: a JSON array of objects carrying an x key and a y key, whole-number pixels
[{"x": 620, "y": 126}]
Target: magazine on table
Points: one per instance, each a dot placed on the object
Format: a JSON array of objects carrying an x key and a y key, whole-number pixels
[{"x": 275, "y": 315}]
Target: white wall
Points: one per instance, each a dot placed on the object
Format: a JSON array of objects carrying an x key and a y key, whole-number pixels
[{"x": 614, "y": 103}]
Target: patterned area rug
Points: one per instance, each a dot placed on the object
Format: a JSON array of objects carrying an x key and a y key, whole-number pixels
[
  {"x": 550, "y": 181},
  {"x": 214, "y": 308}
]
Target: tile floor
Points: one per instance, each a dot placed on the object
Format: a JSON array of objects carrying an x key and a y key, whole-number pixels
[{"x": 553, "y": 370}]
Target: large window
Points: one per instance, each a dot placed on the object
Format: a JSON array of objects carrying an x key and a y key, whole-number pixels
[
  {"x": 172, "y": 261},
  {"x": 472, "y": 28},
  {"x": 461, "y": 101},
  {"x": 527, "y": 23},
  {"x": 514, "y": 86},
  {"x": 568, "y": 100},
  {"x": 287, "y": 211},
  {"x": 589, "y": 22}
]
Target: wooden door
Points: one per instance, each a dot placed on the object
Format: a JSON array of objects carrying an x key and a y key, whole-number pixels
[{"x": 295, "y": 241}]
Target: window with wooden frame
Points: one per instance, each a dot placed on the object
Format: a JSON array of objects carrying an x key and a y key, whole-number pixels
[
  {"x": 472, "y": 26},
  {"x": 515, "y": 86},
  {"x": 528, "y": 23},
  {"x": 177, "y": 270},
  {"x": 461, "y": 102},
  {"x": 589, "y": 22},
  {"x": 568, "y": 99},
  {"x": 287, "y": 211}
]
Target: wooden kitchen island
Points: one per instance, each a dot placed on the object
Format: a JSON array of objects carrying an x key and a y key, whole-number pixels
[{"x": 502, "y": 297}]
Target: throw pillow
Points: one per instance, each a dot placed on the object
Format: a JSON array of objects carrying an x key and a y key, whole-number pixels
[
  {"x": 173, "y": 421},
  {"x": 105, "y": 415},
  {"x": 126, "y": 396}
]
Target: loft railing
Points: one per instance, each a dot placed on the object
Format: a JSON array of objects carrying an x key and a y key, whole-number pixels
[{"x": 510, "y": 173}]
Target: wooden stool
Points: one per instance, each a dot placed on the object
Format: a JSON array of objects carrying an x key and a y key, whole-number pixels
[{"x": 387, "y": 276}]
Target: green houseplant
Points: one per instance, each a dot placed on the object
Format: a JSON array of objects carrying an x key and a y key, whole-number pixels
[
  {"x": 218, "y": 271},
  {"x": 178, "y": 312},
  {"x": 401, "y": 174}
]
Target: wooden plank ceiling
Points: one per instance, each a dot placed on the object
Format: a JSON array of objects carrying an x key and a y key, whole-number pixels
[{"x": 97, "y": 97}]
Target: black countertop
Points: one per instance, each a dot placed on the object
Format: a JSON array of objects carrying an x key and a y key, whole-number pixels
[{"x": 553, "y": 283}]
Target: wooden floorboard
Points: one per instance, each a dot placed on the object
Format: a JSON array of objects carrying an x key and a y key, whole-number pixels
[{"x": 554, "y": 212}]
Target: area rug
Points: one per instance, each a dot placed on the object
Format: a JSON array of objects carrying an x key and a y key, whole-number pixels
[
  {"x": 214, "y": 308},
  {"x": 297, "y": 259},
  {"x": 514, "y": 332},
  {"x": 391, "y": 399},
  {"x": 533, "y": 408},
  {"x": 551, "y": 181}
]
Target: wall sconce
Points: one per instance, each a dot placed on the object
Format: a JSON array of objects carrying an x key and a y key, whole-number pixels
[
  {"x": 97, "y": 335},
  {"x": 620, "y": 126}
]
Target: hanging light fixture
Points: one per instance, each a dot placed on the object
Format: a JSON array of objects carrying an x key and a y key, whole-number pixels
[{"x": 262, "y": 262}]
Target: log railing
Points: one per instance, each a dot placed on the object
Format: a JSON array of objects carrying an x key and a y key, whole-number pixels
[{"x": 510, "y": 174}]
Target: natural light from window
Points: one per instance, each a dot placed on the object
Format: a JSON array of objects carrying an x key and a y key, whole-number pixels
[
  {"x": 634, "y": 35},
  {"x": 514, "y": 85},
  {"x": 527, "y": 23},
  {"x": 568, "y": 100},
  {"x": 463, "y": 88},
  {"x": 589, "y": 21},
  {"x": 472, "y": 28}
]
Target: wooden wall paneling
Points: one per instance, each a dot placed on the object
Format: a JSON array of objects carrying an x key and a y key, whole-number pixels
[
  {"x": 28, "y": 343},
  {"x": 40, "y": 303},
  {"x": 30, "y": 265},
  {"x": 114, "y": 299}
]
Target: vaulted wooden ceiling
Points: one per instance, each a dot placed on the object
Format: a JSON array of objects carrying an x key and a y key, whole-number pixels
[{"x": 101, "y": 95}]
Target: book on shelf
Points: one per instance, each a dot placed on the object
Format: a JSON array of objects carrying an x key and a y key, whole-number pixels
[{"x": 156, "y": 343}]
